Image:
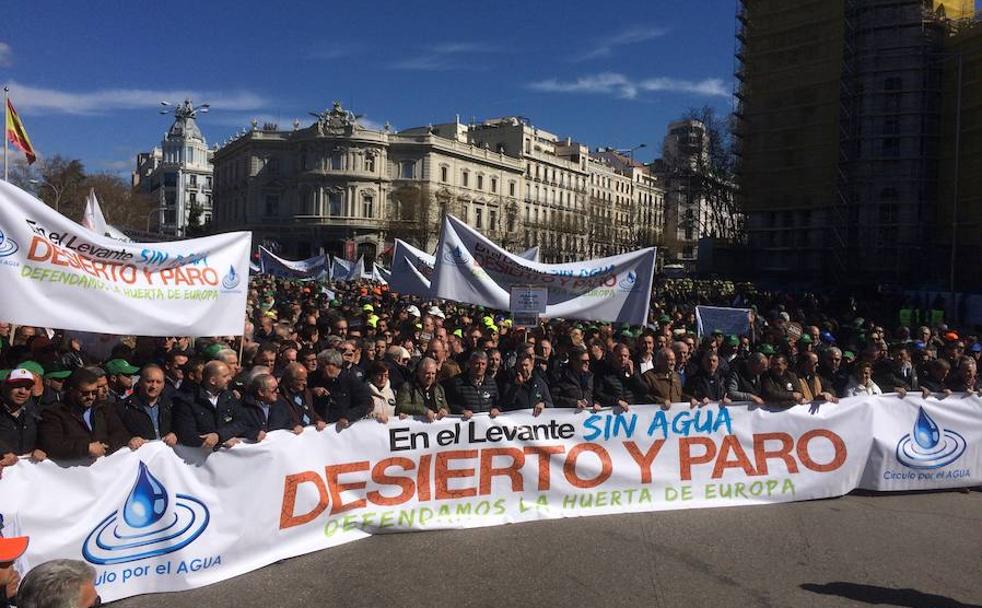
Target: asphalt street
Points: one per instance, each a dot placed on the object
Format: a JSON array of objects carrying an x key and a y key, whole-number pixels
[{"x": 916, "y": 550}]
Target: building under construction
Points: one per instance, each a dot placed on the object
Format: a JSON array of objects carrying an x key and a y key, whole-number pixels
[{"x": 839, "y": 129}]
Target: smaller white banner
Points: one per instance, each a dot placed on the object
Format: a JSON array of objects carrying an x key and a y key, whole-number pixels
[
  {"x": 311, "y": 268},
  {"x": 730, "y": 321}
]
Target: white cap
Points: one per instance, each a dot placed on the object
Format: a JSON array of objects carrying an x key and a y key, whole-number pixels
[
  {"x": 436, "y": 312},
  {"x": 19, "y": 375},
  {"x": 413, "y": 310}
]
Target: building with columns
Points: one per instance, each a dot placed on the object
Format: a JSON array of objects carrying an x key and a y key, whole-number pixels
[
  {"x": 178, "y": 175},
  {"x": 338, "y": 187}
]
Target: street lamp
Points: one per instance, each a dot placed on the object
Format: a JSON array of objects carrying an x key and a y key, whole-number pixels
[{"x": 43, "y": 182}]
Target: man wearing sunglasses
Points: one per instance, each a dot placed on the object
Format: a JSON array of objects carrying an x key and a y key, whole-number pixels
[{"x": 82, "y": 426}]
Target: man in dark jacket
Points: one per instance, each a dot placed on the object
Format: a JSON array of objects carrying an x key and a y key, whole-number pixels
[
  {"x": 293, "y": 389},
  {"x": 19, "y": 419},
  {"x": 174, "y": 362},
  {"x": 746, "y": 382},
  {"x": 147, "y": 413},
  {"x": 574, "y": 384},
  {"x": 896, "y": 374},
  {"x": 55, "y": 375},
  {"x": 781, "y": 386},
  {"x": 210, "y": 417},
  {"x": 707, "y": 385},
  {"x": 119, "y": 373},
  {"x": 81, "y": 427},
  {"x": 472, "y": 391},
  {"x": 618, "y": 384},
  {"x": 339, "y": 395},
  {"x": 526, "y": 390},
  {"x": 263, "y": 410}
]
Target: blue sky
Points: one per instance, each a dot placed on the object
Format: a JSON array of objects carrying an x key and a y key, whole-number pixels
[{"x": 87, "y": 77}]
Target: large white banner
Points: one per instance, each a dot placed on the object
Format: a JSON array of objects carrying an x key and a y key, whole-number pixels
[
  {"x": 412, "y": 270},
  {"x": 159, "y": 519},
  {"x": 311, "y": 268},
  {"x": 471, "y": 268},
  {"x": 56, "y": 273}
]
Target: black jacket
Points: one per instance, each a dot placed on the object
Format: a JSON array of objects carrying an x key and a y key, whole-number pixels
[
  {"x": 194, "y": 416},
  {"x": 137, "y": 421},
  {"x": 703, "y": 386},
  {"x": 614, "y": 385},
  {"x": 463, "y": 394},
  {"x": 347, "y": 397},
  {"x": 779, "y": 390},
  {"x": 254, "y": 420},
  {"x": 398, "y": 374},
  {"x": 570, "y": 387},
  {"x": 742, "y": 383},
  {"x": 19, "y": 434},
  {"x": 524, "y": 396},
  {"x": 63, "y": 433},
  {"x": 301, "y": 406}
]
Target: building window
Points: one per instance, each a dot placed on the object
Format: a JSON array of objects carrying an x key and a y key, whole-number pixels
[
  {"x": 368, "y": 206},
  {"x": 370, "y": 163},
  {"x": 494, "y": 184},
  {"x": 170, "y": 216},
  {"x": 492, "y": 220},
  {"x": 335, "y": 201},
  {"x": 479, "y": 218},
  {"x": 189, "y": 155},
  {"x": 208, "y": 182},
  {"x": 170, "y": 180},
  {"x": 465, "y": 178},
  {"x": 272, "y": 205},
  {"x": 466, "y": 214},
  {"x": 480, "y": 182},
  {"x": 511, "y": 188},
  {"x": 192, "y": 198},
  {"x": 193, "y": 180},
  {"x": 444, "y": 174},
  {"x": 406, "y": 169},
  {"x": 337, "y": 162}
]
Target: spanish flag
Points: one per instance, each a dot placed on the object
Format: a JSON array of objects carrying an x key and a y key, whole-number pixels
[{"x": 17, "y": 135}]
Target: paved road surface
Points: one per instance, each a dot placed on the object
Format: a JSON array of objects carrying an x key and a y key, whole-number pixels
[{"x": 915, "y": 550}]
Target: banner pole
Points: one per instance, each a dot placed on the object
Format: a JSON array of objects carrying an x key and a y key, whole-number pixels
[{"x": 6, "y": 119}]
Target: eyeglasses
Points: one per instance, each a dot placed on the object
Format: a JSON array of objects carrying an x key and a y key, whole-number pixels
[
  {"x": 584, "y": 360},
  {"x": 94, "y": 393}
]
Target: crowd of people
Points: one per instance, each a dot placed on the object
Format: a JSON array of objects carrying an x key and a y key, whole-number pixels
[{"x": 312, "y": 356}]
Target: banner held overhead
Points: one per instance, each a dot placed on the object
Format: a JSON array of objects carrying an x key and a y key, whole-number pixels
[
  {"x": 56, "y": 273},
  {"x": 473, "y": 269},
  {"x": 311, "y": 268}
]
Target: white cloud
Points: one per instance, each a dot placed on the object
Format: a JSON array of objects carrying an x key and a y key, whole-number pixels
[
  {"x": 632, "y": 35},
  {"x": 36, "y": 100},
  {"x": 619, "y": 85},
  {"x": 445, "y": 56},
  {"x": 334, "y": 52},
  {"x": 6, "y": 55}
]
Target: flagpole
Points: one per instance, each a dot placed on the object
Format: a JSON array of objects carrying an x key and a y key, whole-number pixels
[{"x": 5, "y": 119}]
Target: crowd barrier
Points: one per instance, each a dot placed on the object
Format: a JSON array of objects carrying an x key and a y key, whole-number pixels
[{"x": 160, "y": 519}]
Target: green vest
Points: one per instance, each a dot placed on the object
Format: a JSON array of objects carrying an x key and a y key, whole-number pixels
[{"x": 937, "y": 317}]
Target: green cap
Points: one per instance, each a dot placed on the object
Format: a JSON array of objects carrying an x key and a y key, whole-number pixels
[
  {"x": 32, "y": 366},
  {"x": 459, "y": 333},
  {"x": 120, "y": 366},
  {"x": 732, "y": 340},
  {"x": 717, "y": 332},
  {"x": 368, "y": 308},
  {"x": 766, "y": 349},
  {"x": 56, "y": 371},
  {"x": 805, "y": 339},
  {"x": 4, "y": 373},
  {"x": 848, "y": 354},
  {"x": 664, "y": 319},
  {"x": 212, "y": 350}
]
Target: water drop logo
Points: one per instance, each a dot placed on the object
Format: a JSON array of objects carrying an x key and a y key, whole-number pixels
[
  {"x": 151, "y": 522},
  {"x": 630, "y": 281},
  {"x": 231, "y": 280},
  {"x": 456, "y": 255},
  {"x": 929, "y": 446},
  {"x": 7, "y": 245}
]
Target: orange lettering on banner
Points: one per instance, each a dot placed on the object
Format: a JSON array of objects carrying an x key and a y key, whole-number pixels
[
  {"x": 569, "y": 467},
  {"x": 443, "y": 474},
  {"x": 332, "y": 472},
  {"x": 513, "y": 470},
  {"x": 762, "y": 454},
  {"x": 837, "y": 443},
  {"x": 423, "y": 477},
  {"x": 686, "y": 460},
  {"x": 544, "y": 452},
  {"x": 644, "y": 460},
  {"x": 732, "y": 444},
  {"x": 379, "y": 477},
  {"x": 288, "y": 518},
  {"x": 35, "y": 253}
]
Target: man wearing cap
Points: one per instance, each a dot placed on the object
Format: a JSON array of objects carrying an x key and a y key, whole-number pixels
[
  {"x": 82, "y": 426},
  {"x": 472, "y": 391},
  {"x": 339, "y": 396},
  {"x": 210, "y": 417},
  {"x": 120, "y": 374},
  {"x": 55, "y": 375},
  {"x": 147, "y": 413},
  {"x": 19, "y": 419},
  {"x": 10, "y": 550}
]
